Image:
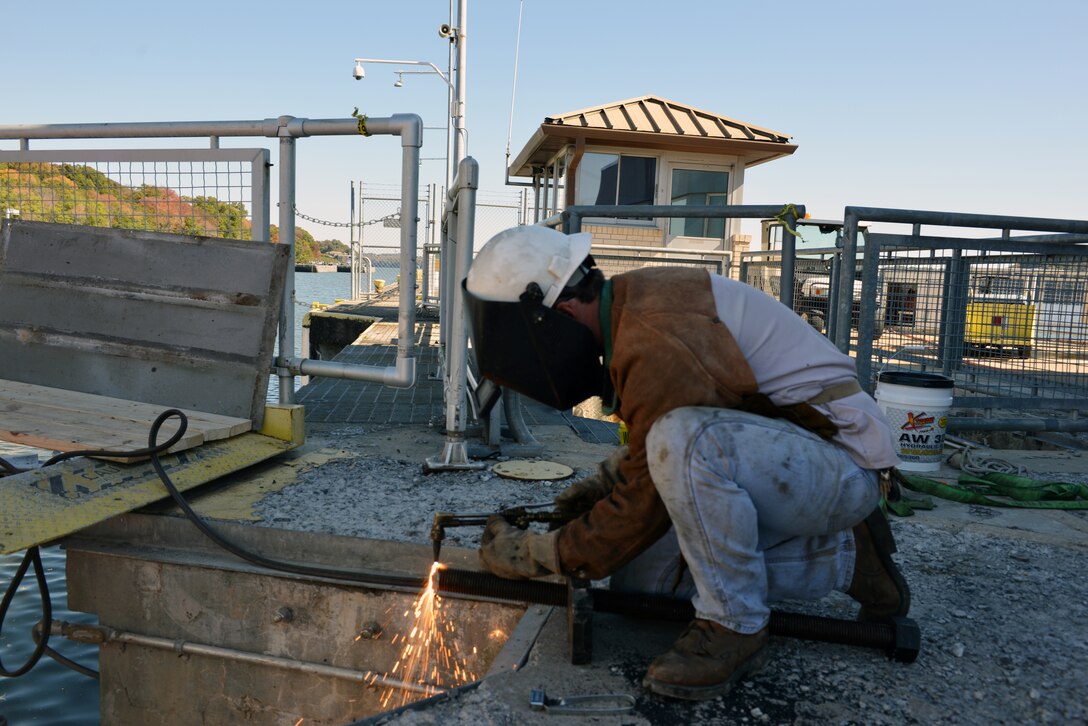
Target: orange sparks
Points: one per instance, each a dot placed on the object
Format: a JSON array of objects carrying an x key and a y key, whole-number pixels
[{"x": 426, "y": 661}]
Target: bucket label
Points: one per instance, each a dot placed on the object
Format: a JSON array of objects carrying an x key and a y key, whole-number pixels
[{"x": 919, "y": 433}]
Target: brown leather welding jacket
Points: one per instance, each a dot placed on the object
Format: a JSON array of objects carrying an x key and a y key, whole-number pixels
[{"x": 669, "y": 349}]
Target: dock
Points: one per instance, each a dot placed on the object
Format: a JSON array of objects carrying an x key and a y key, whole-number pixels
[{"x": 354, "y": 496}]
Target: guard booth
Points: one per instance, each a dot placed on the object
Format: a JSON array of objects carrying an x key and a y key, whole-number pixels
[{"x": 645, "y": 151}]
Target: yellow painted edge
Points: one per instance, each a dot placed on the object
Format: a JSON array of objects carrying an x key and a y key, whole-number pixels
[{"x": 286, "y": 422}]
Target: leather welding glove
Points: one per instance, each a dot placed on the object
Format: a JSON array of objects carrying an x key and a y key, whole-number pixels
[
  {"x": 518, "y": 554},
  {"x": 580, "y": 496}
]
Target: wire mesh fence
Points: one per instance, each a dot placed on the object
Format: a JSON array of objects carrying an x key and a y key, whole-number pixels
[
  {"x": 1010, "y": 329},
  {"x": 379, "y": 243},
  {"x": 212, "y": 192}
]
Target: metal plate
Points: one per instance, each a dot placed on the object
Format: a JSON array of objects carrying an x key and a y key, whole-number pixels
[
  {"x": 43, "y": 504},
  {"x": 526, "y": 470}
]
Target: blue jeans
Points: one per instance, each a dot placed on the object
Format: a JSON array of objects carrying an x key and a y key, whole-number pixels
[{"x": 762, "y": 510}]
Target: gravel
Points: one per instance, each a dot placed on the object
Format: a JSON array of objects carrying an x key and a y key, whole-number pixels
[{"x": 1002, "y": 615}]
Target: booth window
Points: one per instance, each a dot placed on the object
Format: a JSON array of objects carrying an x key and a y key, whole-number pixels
[
  {"x": 616, "y": 179},
  {"x": 697, "y": 187}
]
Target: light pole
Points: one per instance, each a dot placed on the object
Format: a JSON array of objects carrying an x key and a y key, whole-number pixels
[{"x": 455, "y": 125}]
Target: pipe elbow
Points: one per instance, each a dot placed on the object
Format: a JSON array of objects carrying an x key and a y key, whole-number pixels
[{"x": 410, "y": 128}]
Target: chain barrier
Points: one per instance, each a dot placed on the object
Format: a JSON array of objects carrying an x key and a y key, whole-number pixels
[{"x": 315, "y": 220}]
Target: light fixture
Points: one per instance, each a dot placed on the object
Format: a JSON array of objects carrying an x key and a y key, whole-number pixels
[{"x": 399, "y": 82}]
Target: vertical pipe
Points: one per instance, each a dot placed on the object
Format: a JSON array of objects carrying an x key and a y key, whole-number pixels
[
  {"x": 261, "y": 203},
  {"x": 353, "y": 262},
  {"x": 468, "y": 181},
  {"x": 459, "y": 141},
  {"x": 789, "y": 254},
  {"x": 446, "y": 274},
  {"x": 846, "y": 281},
  {"x": 287, "y": 236},
  {"x": 409, "y": 216},
  {"x": 867, "y": 309}
]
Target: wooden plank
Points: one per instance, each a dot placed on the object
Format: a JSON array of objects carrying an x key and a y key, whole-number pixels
[
  {"x": 50, "y": 432},
  {"x": 213, "y": 426},
  {"x": 52, "y": 418}
]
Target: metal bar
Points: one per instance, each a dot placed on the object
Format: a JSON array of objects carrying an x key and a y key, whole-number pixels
[
  {"x": 1049, "y": 246},
  {"x": 1023, "y": 423},
  {"x": 461, "y": 206},
  {"x": 958, "y": 219},
  {"x": 658, "y": 251},
  {"x": 669, "y": 210},
  {"x": 287, "y": 237},
  {"x": 100, "y": 635},
  {"x": 260, "y": 201},
  {"x": 468, "y": 174},
  {"x": 867, "y": 312},
  {"x": 789, "y": 256},
  {"x": 845, "y": 300}
]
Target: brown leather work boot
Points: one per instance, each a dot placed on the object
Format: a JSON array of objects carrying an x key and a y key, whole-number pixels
[
  {"x": 877, "y": 583},
  {"x": 706, "y": 662}
]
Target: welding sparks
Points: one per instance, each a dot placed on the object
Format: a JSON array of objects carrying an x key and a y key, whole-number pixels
[{"x": 427, "y": 658}]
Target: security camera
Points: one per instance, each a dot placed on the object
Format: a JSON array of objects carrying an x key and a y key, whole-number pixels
[
  {"x": 444, "y": 30},
  {"x": 358, "y": 74}
]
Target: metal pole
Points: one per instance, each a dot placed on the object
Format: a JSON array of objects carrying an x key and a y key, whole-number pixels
[
  {"x": 287, "y": 236},
  {"x": 845, "y": 300},
  {"x": 409, "y": 222},
  {"x": 462, "y": 207},
  {"x": 460, "y": 142},
  {"x": 789, "y": 255}
]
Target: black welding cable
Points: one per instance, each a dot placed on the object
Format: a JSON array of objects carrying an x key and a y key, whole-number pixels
[
  {"x": 253, "y": 557},
  {"x": 41, "y": 631},
  {"x": 32, "y": 557}
]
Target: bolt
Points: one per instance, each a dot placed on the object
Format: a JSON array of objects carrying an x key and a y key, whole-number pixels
[
  {"x": 371, "y": 631},
  {"x": 283, "y": 615}
]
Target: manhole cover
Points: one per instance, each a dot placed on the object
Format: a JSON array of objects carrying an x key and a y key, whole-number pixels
[{"x": 532, "y": 470}]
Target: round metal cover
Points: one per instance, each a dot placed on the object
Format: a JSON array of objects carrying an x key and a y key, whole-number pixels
[{"x": 532, "y": 470}]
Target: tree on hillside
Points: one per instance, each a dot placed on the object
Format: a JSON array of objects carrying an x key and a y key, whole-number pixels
[
  {"x": 230, "y": 216},
  {"x": 306, "y": 249}
]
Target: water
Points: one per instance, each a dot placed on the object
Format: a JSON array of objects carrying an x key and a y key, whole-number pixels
[
  {"x": 50, "y": 693},
  {"x": 322, "y": 287},
  {"x": 55, "y": 695}
]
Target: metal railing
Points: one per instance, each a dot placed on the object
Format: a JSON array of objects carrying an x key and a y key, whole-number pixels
[
  {"x": 1005, "y": 317},
  {"x": 458, "y": 228},
  {"x": 113, "y": 206}
]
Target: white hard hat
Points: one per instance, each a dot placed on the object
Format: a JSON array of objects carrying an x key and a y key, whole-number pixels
[{"x": 515, "y": 257}]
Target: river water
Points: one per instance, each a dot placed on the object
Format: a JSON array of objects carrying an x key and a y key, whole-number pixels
[{"x": 52, "y": 694}]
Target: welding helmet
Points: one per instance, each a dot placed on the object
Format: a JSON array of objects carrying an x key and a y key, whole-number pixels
[{"x": 520, "y": 341}]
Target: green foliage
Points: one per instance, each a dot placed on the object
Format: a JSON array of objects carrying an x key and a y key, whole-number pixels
[
  {"x": 306, "y": 249},
  {"x": 80, "y": 194},
  {"x": 230, "y": 216}
]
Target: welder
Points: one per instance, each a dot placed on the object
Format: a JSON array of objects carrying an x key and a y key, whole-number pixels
[{"x": 754, "y": 464}]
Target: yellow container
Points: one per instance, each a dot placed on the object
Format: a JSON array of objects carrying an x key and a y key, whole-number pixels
[{"x": 999, "y": 325}]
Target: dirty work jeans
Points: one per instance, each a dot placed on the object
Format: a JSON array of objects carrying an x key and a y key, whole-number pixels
[{"x": 761, "y": 510}]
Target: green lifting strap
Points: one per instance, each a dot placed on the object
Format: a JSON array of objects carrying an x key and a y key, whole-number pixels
[{"x": 1018, "y": 491}]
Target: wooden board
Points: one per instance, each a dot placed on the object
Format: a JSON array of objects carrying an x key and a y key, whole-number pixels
[{"x": 52, "y": 418}]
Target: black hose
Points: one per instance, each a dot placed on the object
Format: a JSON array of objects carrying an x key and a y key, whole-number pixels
[
  {"x": 32, "y": 557},
  {"x": 41, "y": 631}
]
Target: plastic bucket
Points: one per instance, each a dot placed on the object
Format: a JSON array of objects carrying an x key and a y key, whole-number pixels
[{"x": 916, "y": 405}]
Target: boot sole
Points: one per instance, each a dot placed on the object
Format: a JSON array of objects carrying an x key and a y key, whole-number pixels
[
  {"x": 704, "y": 693},
  {"x": 884, "y": 542}
]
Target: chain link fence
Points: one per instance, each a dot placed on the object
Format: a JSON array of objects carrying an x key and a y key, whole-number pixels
[{"x": 379, "y": 243}]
